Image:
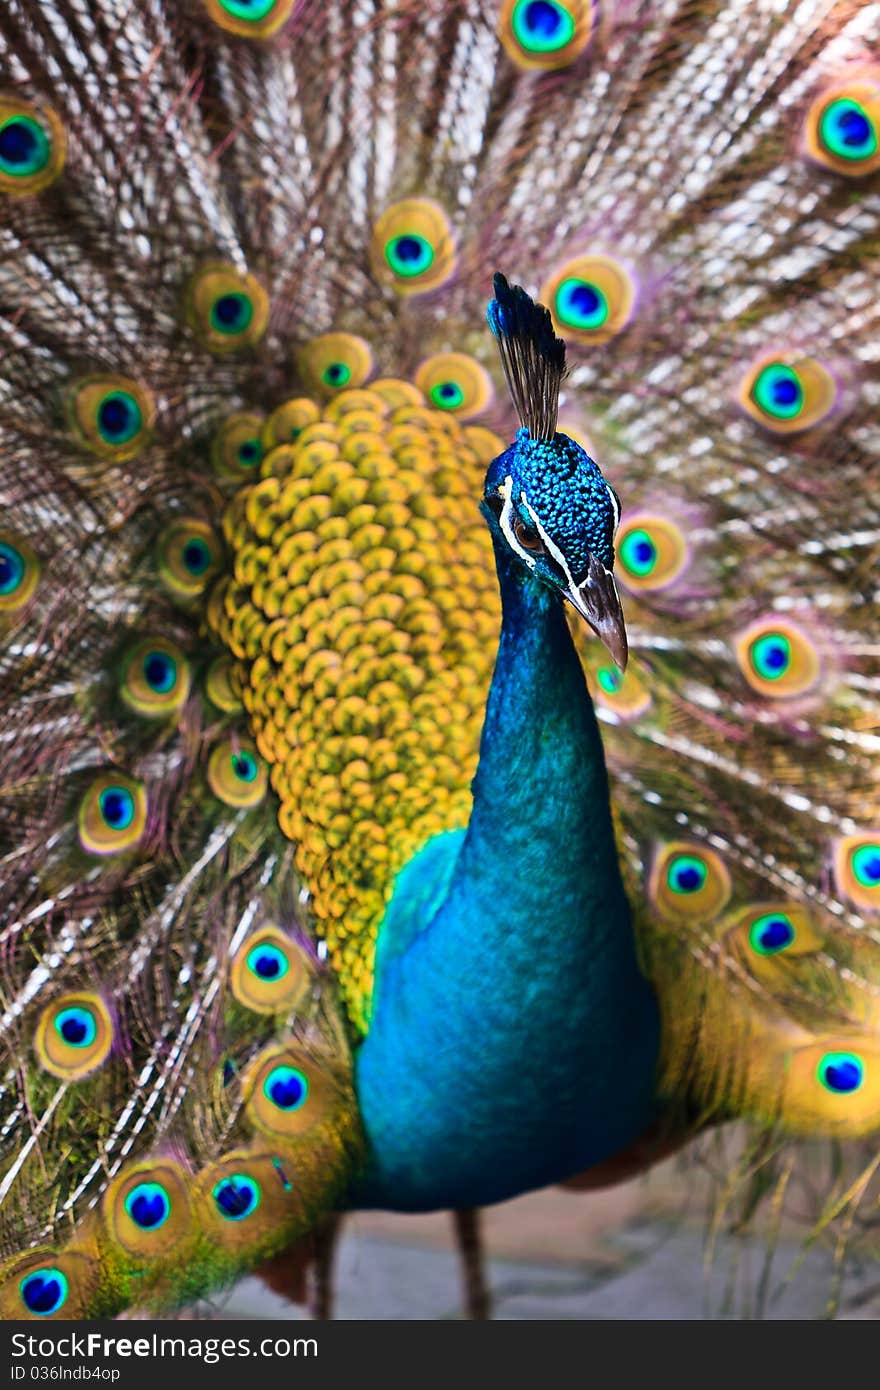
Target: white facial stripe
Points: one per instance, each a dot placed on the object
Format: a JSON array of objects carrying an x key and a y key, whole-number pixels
[
  {"x": 506, "y": 490},
  {"x": 616, "y": 505},
  {"x": 557, "y": 553},
  {"x": 550, "y": 547}
]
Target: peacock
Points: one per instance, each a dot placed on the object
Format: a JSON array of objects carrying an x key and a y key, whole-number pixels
[{"x": 321, "y": 889}]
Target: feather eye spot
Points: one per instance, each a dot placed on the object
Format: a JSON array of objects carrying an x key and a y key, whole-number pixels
[
  {"x": 866, "y": 865},
  {"x": 267, "y": 962},
  {"x": 788, "y": 395},
  {"x": 149, "y": 1205},
  {"x": 771, "y": 933},
  {"x": 32, "y": 147},
  {"x": 335, "y": 362},
  {"x": 412, "y": 246},
  {"x": 226, "y": 309},
  {"x": 623, "y": 693},
  {"x": 19, "y": 574},
  {"x": 252, "y": 19},
  {"x": 147, "y": 1208},
  {"x": 12, "y": 569},
  {"x": 74, "y": 1036},
  {"x": 857, "y": 868},
  {"x": 841, "y": 1072},
  {"x": 591, "y": 299},
  {"x": 112, "y": 416},
  {"x": 44, "y": 1291},
  {"x": 685, "y": 874},
  {"x": 286, "y": 1087},
  {"x": 652, "y": 552},
  {"x": 409, "y": 254},
  {"x": 188, "y": 557},
  {"x": 112, "y": 815},
  {"x": 689, "y": 881},
  {"x": 269, "y": 973},
  {"x": 237, "y": 775},
  {"x": 581, "y": 305},
  {"x": 236, "y": 1196},
  {"x": 842, "y": 128},
  {"x": 76, "y": 1026},
  {"x": 777, "y": 659},
  {"x": 846, "y": 130},
  {"x": 545, "y": 34},
  {"x": 289, "y": 1092},
  {"x": 156, "y": 678},
  {"x": 456, "y": 383}
]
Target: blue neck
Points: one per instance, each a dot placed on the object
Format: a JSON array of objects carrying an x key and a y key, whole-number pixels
[{"x": 513, "y": 1039}]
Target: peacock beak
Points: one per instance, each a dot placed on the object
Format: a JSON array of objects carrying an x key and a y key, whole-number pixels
[{"x": 597, "y": 600}]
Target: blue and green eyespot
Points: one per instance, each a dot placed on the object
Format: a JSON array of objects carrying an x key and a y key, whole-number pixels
[
  {"x": 777, "y": 658},
  {"x": 25, "y": 148},
  {"x": 231, "y": 313},
  {"x": 155, "y": 678},
  {"x": 236, "y": 1196},
  {"x": 581, "y": 305},
  {"x": 409, "y": 255},
  {"x": 148, "y": 1205},
  {"x": 226, "y": 308},
  {"x": 771, "y": 933},
  {"x": 160, "y": 671},
  {"x": 188, "y": 556},
  {"x": 545, "y": 34},
  {"x": 412, "y": 247},
  {"x": 32, "y": 147},
  {"x": 841, "y": 1072},
  {"x": 244, "y": 766},
  {"x": 117, "y": 807},
  {"x": 542, "y": 26},
  {"x": 686, "y": 874},
  {"x": 237, "y": 775},
  {"x": 119, "y": 417},
  {"x": 778, "y": 391},
  {"x": 112, "y": 416},
  {"x": 12, "y": 569},
  {"x": 336, "y": 375},
  {"x": 286, "y": 1087},
  {"x": 268, "y": 962},
  {"x": 76, "y": 1026},
  {"x": 787, "y": 396},
  {"x": 44, "y": 1291},
  {"x": 447, "y": 395},
  {"x": 19, "y": 574},
  {"x": 251, "y": 10},
  {"x": 866, "y": 865},
  {"x": 74, "y": 1036},
  {"x": 637, "y": 552},
  {"x": 609, "y": 679},
  {"x": 770, "y": 655},
  {"x": 847, "y": 131},
  {"x": 251, "y": 19},
  {"x": 455, "y": 382},
  {"x": 112, "y": 814}
]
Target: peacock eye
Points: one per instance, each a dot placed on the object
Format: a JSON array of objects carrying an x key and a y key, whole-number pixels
[{"x": 527, "y": 537}]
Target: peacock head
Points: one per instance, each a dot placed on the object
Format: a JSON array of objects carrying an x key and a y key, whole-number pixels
[{"x": 544, "y": 497}]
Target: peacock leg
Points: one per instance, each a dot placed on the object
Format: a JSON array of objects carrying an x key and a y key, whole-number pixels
[
  {"x": 478, "y": 1298},
  {"x": 320, "y": 1300}
]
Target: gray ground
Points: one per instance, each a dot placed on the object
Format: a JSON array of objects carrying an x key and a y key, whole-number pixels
[{"x": 567, "y": 1255}]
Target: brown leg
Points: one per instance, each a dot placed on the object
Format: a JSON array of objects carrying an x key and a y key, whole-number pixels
[
  {"x": 321, "y": 1273},
  {"x": 478, "y": 1302}
]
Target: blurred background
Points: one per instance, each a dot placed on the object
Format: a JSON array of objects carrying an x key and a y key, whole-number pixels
[{"x": 735, "y": 1236}]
